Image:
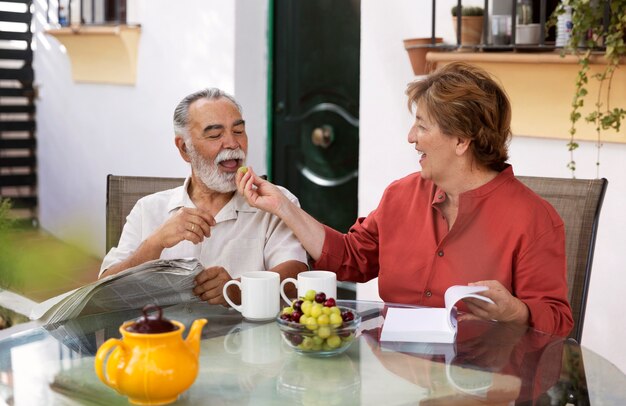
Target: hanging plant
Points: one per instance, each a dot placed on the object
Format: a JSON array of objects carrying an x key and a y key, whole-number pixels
[{"x": 590, "y": 38}]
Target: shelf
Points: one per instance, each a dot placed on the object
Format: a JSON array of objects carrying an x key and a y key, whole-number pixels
[
  {"x": 101, "y": 54},
  {"x": 541, "y": 87}
]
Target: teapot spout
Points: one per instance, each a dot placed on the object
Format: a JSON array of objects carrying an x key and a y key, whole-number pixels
[{"x": 193, "y": 338}]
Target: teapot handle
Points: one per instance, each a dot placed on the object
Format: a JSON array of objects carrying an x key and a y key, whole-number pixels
[{"x": 100, "y": 363}]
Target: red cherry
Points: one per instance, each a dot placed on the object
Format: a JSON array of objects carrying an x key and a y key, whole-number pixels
[
  {"x": 320, "y": 297},
  {"x": 297, "y": 305},
  {"x": 285, "y": 316},
  {"x": 330, "y": 302},
  {"x": 347, "y": 316},
  {"x": 295, "y": 316}
]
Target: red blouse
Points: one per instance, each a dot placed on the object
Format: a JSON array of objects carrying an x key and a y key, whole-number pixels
[{"x": 503, "y": 231}]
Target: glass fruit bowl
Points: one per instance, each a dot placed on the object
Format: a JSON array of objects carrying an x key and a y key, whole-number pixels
[{"x": 320, "y": 340}]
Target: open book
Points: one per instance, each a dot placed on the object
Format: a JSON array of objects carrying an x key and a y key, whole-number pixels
[
  {"x": 162, "y": 282},
  {"x": 428, "y": 325}
]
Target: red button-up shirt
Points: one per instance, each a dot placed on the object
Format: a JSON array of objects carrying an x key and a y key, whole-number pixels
[{"x": 503, "y": 231}]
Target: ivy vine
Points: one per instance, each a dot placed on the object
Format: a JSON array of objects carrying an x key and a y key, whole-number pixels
[{"x": 589, "y": 36}]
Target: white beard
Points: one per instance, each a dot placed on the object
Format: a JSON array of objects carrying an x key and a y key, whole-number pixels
[{"x": 210, "y": 174}]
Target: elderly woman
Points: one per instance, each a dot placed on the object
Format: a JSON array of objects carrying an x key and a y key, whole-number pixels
[{"x": 464, "y": 219}]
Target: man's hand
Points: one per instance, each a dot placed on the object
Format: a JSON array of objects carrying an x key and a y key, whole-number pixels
[
  {"x": 506, "y": 307},
  {"x": 210, "y": 283},
  {"x": 187, "y": 224}
]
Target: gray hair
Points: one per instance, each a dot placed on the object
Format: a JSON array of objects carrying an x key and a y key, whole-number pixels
[{"x": 181, "y": 112}]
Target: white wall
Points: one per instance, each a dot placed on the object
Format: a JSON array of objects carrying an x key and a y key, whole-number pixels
[
  {"x": 385, "y": 155},
  {"x": 86, "y": 131}
]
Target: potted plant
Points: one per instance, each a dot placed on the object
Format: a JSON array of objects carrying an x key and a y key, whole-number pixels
[
  {"x": 417, "y": 49},
  {"x": 471, "y": 24},
  {"x": 589, "y": 41}
]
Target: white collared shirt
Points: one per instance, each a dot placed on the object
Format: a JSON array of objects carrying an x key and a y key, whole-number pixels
[{"x": 243, "y": 239}]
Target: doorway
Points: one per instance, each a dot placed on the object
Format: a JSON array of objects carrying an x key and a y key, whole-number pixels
[{"x": 315, "y": 102}]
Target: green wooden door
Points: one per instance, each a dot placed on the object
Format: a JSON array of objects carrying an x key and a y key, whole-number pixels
[{"x": 315, "y": 98}]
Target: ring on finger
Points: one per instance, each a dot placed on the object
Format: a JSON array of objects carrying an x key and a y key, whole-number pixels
[{"x": 193, "y": 227}]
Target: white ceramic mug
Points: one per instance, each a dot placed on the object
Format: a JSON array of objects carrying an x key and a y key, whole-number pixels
[
  {"x": 319, "y": 281},
  {"x": 260, "y": 299},
  {"x": 256, "y": 344}
]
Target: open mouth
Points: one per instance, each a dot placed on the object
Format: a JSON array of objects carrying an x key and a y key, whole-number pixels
[{"x": 231, "y": 164}]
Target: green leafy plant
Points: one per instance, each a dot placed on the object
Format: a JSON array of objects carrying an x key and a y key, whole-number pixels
[
  {"x": 6, "y": 252},
  {"x": 590, "y": 39},
  {"x": 471, "y": 11}
]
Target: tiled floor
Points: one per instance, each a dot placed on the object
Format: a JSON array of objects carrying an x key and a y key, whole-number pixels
[{"x": 41, "y": 266}]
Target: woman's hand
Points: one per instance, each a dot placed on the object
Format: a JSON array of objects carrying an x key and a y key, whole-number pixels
[
  {"x": 505, "y": 307},
  {"x": 259, "y": 192}
]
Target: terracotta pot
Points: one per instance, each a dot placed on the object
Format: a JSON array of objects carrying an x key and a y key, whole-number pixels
[
  {"x": 471, "y": 29},
  {"x": 417, "y": 49}
]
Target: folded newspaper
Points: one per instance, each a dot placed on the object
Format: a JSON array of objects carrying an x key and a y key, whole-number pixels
[{"x": 162, "y": 282}]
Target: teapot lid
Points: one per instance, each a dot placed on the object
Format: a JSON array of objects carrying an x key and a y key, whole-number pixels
[{"x": 151, "y": 324}]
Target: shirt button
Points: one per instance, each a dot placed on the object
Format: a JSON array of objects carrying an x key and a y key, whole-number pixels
[
  {"x": 429, "y": 293},
  {"x": 440, "y": 253}
]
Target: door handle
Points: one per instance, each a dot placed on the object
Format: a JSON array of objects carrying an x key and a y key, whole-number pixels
[{"x": 323, "y": 136}]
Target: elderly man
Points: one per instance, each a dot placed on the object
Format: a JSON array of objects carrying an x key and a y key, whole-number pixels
[{"x": 204, "y": 218}]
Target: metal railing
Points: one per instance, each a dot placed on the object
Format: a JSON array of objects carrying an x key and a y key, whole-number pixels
[
  {"x": 486, "y": 45},
  {"x": 92, "y": 12}
]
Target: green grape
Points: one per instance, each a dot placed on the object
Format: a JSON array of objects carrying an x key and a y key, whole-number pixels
[
  {"x": 323, "y": 320},
  {"x": 307, "y": 343},
  {"x": 326, "y": 310},
  {"x": 306, "y": 307},
  {"x": 311, "y": 323},
  {"x": 316, "y": 310},
  {"x": 310, "y": 295},
  {"x": 333, "y": 341},
  {"x": 323, "y": 332},
  {"x": 288, "y": 310},
  {"x": 335, "y": 310},
  {"x": 336, "y": 320}
]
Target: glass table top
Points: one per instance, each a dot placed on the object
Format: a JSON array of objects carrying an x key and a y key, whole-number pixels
[{"x": 245, "y": 363}]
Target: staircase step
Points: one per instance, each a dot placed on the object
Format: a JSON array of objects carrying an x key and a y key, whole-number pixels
[
  {"x": 14, "y": 35},
  {"x": 25, "y": 74},
  {"x": 14, "y": 17},
  {"x": 24, "y": 202},
  {"x": 17, "y": 108},
  {"x": 18, "y": 161},
  {"x": 19, "y": 54},
  {"x": 26, "y": 91},
  {"x": 28, "y": 125},
  {"x": 18, "y": 180},
  {"x": 18, "y": 143}
]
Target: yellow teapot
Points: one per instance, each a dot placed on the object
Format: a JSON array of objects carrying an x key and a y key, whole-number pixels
[{"x": 151, "y": 364}]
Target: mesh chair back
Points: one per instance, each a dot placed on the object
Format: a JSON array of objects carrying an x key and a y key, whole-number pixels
[
  {"x": 122, "y": 194},
  {"x": 578, "y": 202}
]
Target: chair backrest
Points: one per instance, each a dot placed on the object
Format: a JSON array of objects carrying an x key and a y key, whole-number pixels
[
  {"x": 578, "y": 202},
  {"x": 122, "y": 194}
]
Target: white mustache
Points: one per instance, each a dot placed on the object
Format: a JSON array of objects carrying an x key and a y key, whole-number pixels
[{"x": 229, "y": 154}]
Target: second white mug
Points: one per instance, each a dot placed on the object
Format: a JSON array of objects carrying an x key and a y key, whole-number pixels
[
  {"x": 260, "y": 298},
  {"x": 319, "y": 281}
]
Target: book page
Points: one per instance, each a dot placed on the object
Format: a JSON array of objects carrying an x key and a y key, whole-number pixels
[{"x": 457, "y": 292}]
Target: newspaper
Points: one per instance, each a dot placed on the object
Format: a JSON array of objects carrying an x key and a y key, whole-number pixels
[{"x": 162, "y": 282}]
